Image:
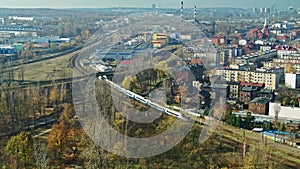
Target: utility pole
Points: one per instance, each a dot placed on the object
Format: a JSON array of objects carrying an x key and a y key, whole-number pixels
[{"x": 244, "y": 144}]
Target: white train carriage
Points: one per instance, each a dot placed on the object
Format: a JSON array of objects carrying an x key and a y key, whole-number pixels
[
  {"x": 193, "y": 113},
  {"x": 172, "y": 113},
  {"x": 156, "y": 106},
  {"x": 140, "y": 99},
  {"x": 130, "y": 93}
]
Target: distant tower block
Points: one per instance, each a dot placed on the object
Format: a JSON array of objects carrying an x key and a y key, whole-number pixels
[
  {"x": 195, "y": 12},
  {"x": 275, "y": 6},
  {"x": 153, "y": 7},
  {"x": 181, "y": 15}
]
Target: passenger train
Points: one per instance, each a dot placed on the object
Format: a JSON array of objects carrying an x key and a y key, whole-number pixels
[{"x": 142, "y": 99}]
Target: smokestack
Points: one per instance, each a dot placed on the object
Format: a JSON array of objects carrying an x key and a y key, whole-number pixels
[
  {"x": 181, "y": 10},
  {"x": 195, "y": 13}
]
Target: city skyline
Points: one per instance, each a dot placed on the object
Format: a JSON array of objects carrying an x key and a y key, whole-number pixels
[{"x": 281, "y": 4}]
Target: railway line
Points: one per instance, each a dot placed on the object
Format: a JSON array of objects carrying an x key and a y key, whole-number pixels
[
  {"x": 180, "y": 114},
  {"x": 144, "y": 100},
  {"x": 52, "y": 56}
]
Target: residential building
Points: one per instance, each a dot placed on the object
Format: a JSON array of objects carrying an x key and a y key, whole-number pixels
[
  {"x": 269, "y": 77},
  {"x": 265, "y": 47},
  {"x": 247, "y": 93},
  {"x": 212, "y": 58},
  {"x": 292, "y": 80},
  {"x": 233, "y": 90},
  {"x": 266, "y": 93},
  {"x": 234, "y": 52},
  {"x": 259, "y": 105},
  {"x": 283, "y": 50},
  {"x": 257, "y": 56},
  {"x": 290, "y": 63},
  {"x": 224, "y": 56}
]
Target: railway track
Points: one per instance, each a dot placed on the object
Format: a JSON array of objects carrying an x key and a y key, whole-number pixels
[{"x": 15, "y": 64}]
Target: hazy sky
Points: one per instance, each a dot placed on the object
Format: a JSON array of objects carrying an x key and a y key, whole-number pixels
[{"x": 283, "y": 4}]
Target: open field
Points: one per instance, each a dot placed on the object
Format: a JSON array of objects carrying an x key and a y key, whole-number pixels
[
  {"x": 56, "y": 68},
  {"x": 288, "y": 155}
]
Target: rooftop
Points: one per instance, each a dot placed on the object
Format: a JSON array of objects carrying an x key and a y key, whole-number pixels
[
  {"x": 127, "y": 62},
  {"x": 218, "y": 86},
  {"x": 290, "y": 48},
  {"x": 266, "y": 91},
  {"x": 251, "y": 84},
  {"x": 249, "y": 88},
  {"x": 260, "y": 100}
]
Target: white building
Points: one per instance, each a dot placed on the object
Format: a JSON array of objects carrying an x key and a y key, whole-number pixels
[
  {"x": 292, "y": 80},
  {"x": 265, "y": 48},
  {"x": 284, "y": 111},
  {"x": 7, "y": 51},
  {"x": 2, "y": 21},
  {"x": 283, "y": 25},
  {"x": 20, "y": 18}
]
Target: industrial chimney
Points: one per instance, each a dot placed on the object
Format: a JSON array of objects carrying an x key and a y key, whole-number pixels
[
  {"x": 195, "y": 12},
  {"x": 181, "y": 10}
]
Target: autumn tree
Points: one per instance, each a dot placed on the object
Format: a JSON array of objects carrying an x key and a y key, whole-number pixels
[
  {"x": 85, "y": 34},
  {"x": 18, "y": 151},
  {"x": 54, "y": 96},
  {"x": 66, "y": 136},
  {"x": 289, "y": 68},
  {"x": 4, "y": 107}
]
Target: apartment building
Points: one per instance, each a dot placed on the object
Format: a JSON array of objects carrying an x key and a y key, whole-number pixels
[
  {"x": 269, "y": 77},
  {"x": 257, "y": 56},
  {"x": 290, "y": 63},
  {"x": 285, "y": 50},
  {"x": 292, "y": 80}
]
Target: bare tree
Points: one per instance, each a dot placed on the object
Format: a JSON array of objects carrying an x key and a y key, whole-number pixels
[{"x": 276, "y": 112}]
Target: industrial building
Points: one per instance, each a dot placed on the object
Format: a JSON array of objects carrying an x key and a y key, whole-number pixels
[{"x": 159, "y": 40}]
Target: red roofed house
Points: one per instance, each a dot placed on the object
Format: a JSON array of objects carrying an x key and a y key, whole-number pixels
[
  {"x": 295, "y": 32},
  {"x": 127, "y": 62},
  {"x": 218, "y": 40},
  {"x": 282, "y": 37}
]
